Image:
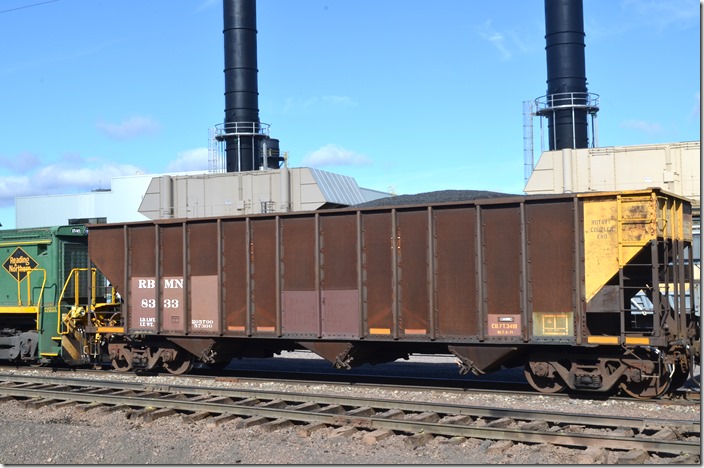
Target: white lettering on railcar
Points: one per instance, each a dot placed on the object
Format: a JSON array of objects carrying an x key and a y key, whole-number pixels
[
  {"x": 146, "y": 284},
  {"x": 173, "y": 284},
  {"x": 147, "y": 321},
  {"x": 203, "y": 324},
  {"x": 169, "y": 283}
]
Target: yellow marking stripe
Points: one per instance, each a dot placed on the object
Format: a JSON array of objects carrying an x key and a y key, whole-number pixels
[
  {"x": 111, "y": 329},
  {"x": 603, "y": 339},
  {"x": 240, "y": 328},
  {"x": 265, "y": 329},
  {"x": 12, "y": 244},
  {"x": 380, "y": 331},
  {"x": 637, "y": 340},
  {"x": 415, "y": 331},
  {"x": 19, "y": 310}
]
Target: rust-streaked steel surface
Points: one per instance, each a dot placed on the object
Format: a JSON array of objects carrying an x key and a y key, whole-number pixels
[{"x": 504, "y": 271}]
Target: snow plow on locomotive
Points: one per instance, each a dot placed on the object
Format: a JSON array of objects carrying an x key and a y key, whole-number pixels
[{"x": 541, "y": 281}]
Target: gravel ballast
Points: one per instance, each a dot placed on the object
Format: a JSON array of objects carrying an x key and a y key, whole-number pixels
[{"x": 67, "y": 435}]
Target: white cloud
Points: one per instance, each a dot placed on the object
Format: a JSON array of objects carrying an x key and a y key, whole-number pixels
[
  {"x": 650, "y": 128},
  {"x": 663, "y": 14},
  {"x": 130, "y": 128},
  {"x": 335, "y": 155},
  {"x": 317, "y": 103},
  {"x": 696, "y": 108},
  {"x": 208, "y": 4},
  {"x": 65, "y": 176},
  {"x": 495, "y": 38},
  {"x": 190, "y": 160}
]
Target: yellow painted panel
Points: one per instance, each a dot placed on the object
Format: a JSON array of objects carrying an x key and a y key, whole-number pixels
[
  {"x": 600, "y": 243},
  {"x": 380, "y": 331},
  {"x": 602, "y": 340},
  {"x": 553, "y": 323},
  {"x": 111, "y": 330},
  {"x": 637, "y": 340},
  {"x": 19, "y": 310},
  {"x": 615, "y": 230}
]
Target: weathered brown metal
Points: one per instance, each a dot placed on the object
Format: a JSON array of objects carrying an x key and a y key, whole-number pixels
[{"x": 505, "y": 272}]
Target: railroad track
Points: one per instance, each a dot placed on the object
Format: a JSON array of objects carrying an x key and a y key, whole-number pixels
[
  {"x": 393, "y": 382},
  {"x": 419, "y": 420}
]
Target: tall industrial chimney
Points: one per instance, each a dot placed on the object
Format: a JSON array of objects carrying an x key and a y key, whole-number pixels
[
  {"x": 246, "y": 138},
  {"x": 567, "y": 102}
]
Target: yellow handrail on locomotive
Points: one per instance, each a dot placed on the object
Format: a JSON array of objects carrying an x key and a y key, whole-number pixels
[
  {"x": 76, "y": 306},
  {"x": 29, "y": 292},
  {"x": 77, "y": 310},
  {"x": 29, "y": 288}
]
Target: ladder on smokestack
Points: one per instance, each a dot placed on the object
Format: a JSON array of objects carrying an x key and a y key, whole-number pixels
[{"x": 216, "y": 154}]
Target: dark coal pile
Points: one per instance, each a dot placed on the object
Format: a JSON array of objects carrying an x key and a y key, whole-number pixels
[{"x": 439, "y": 196}]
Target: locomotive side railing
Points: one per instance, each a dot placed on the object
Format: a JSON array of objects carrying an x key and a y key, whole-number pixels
[
  {"x": 29, "y": 289},
  {"x": 78, "y": 310},
  {"x": 26, "y": 307}
]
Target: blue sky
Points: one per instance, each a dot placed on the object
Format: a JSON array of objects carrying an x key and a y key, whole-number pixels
[{"x": 403, "y": 95}]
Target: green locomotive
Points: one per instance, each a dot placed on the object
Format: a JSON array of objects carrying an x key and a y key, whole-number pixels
[{"x": 54, "y": 305}]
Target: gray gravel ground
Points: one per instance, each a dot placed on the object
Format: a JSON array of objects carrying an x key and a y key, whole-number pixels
[
  {"x": 68, "y": 436},
  {"x": 65, "y": 436}
]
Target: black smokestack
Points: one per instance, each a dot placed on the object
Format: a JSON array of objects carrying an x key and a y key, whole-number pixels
[
  {"x": 241, "y": 90},
  {"x": 567, "y": 82}
]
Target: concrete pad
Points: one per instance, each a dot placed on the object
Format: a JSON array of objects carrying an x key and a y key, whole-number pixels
[
  {"x": 220, "y": 420},
  {"x": 344, "y": 431},
  {"x": 592, "y": 456},
  {"x": 633, "y": 457},
  {"x": 250, "y": 422},
  {"x": 373, "y": 437},
  {"x": 501, "y": 423},
  {"x": 499, "y": 447},
  {"x": 417, "y": 440},
  {"x": 308, "y": 429},
  {"x": 276, "y": 425}
]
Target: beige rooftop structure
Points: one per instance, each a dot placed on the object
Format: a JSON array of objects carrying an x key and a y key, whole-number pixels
[
  {"x": 675, "y": 167},
  {"x": 252, "y": 192}
]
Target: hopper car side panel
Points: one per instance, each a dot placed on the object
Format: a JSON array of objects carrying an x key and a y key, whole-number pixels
[
  {"x": 396, "y": 274},
  {"x": 498, "y": 281}
]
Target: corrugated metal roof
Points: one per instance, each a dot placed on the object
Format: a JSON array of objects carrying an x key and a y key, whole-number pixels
[{"x": 338, "y": 188}]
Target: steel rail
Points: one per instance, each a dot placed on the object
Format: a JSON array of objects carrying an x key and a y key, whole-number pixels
[
  {"x": 220, "y": 401},
  {"x": 684, "y": 398},
  {"x": 349, "y": 401}
]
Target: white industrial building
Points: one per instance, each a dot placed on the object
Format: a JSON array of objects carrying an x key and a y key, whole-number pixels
[
  {"x": 675, "y": 167},
  {"x": 195, "y": 194}
]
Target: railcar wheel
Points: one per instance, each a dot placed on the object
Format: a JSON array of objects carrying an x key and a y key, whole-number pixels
[
  {"x": 540, "y": 378},
  {"x": 650, "y": 384},
  {"x": 123, "y": 362},
  {"x": 179, "y": 366}
]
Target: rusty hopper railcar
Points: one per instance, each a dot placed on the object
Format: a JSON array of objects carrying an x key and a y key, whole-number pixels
[{"x": 540, "y": 281}]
